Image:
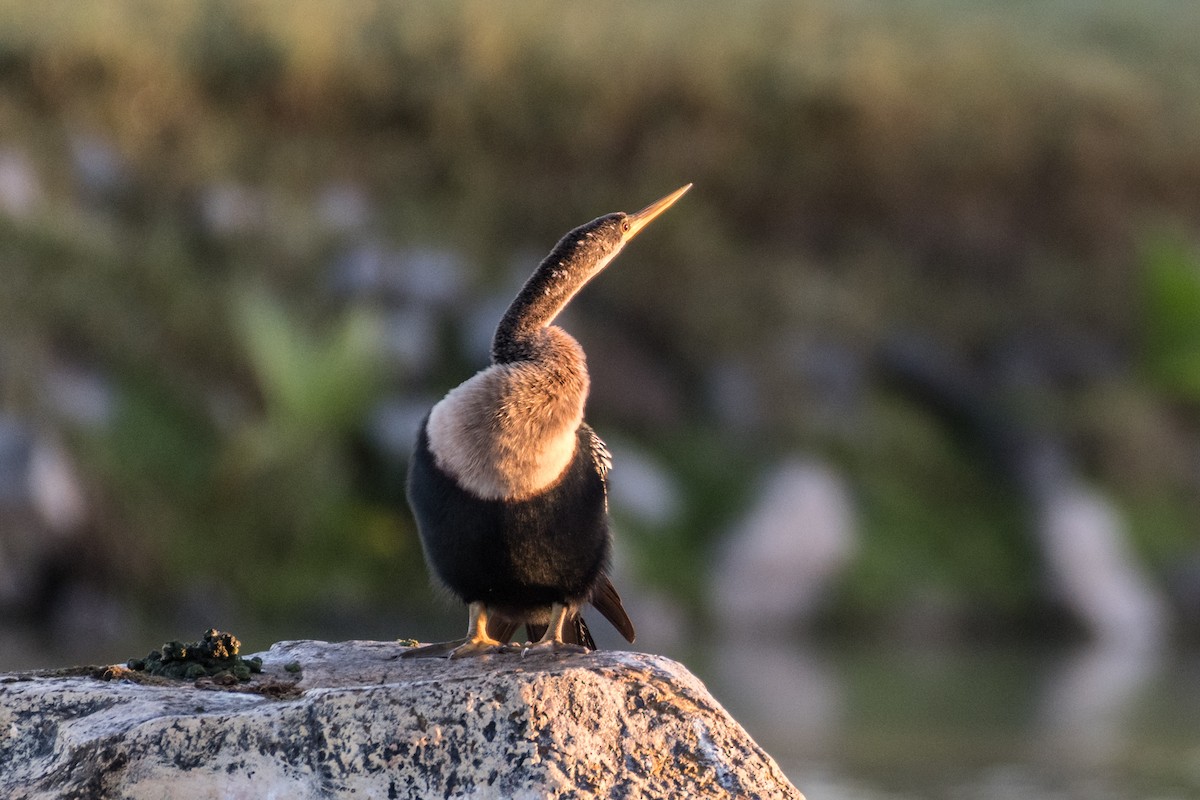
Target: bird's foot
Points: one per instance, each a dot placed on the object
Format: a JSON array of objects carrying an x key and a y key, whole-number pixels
[
  {"x": 482, "y": 647},
  {"x": 461, "y": 648},
  {"x": 551, "y": 646}
]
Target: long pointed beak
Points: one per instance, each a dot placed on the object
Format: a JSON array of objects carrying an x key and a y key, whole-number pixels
[{"x": 643, "y": 218}]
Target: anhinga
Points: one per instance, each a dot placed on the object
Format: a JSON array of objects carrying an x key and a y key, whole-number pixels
[{"x": 507, "y": 482}]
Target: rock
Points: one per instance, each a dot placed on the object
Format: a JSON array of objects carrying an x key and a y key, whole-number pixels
[
  {"x": 1093, "y": 569},
  {"x": 20, "y": 187},
  {"x": 355, "y": 720},
  {"x": 778, "y": 562},
  {"x": 43, "y": 514},
  {"x": 56, "y": 489}
]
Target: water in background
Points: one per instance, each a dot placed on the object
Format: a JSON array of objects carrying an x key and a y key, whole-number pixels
[{"x": 998, "y": 721}]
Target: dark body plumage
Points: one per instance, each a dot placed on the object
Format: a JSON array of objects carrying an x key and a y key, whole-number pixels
[
  {"x": 521, "y": 556},
  {"x": 507, "y": 482}
]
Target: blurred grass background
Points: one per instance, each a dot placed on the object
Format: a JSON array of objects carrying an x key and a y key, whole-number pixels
[{"x": 1017, "y": 182}]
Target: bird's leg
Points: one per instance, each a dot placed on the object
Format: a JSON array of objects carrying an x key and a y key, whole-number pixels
[
  {"x": 476, "y": 643},
  {"x": 552, "y": 639}
]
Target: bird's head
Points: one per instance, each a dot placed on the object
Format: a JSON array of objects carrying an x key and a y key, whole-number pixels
[
  {"x": 576, "y": 259},
  {"x": 590, "y": 247}
]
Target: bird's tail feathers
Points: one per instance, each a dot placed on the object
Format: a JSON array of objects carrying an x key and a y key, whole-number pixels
[
  {"x": 608, "y": 602},
  {"x": 575, "y": 631}
]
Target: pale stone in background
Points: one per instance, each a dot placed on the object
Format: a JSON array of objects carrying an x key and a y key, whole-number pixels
[{"x": 774, "y": 567}]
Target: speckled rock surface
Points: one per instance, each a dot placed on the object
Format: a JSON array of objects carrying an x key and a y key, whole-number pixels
[{"x": 356, "y": 721}]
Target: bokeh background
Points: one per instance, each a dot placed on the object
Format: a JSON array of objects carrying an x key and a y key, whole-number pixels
[{"x": 904, "y": 396}]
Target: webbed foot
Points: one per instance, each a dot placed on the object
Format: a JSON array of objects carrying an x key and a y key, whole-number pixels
[
  {"x": 485, "y": 647},
  {"x": 550, "y": 646},
  {"x": 476, "y": 643},
  {"x": 461, "y": 648},
  {"x": 552, "y": 640}
]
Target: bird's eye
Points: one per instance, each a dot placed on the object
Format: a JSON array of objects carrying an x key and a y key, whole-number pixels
[{"x": 625, "y": 226}]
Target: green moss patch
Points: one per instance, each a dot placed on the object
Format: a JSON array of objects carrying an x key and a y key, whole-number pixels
[{"x": 214, "y": 656}]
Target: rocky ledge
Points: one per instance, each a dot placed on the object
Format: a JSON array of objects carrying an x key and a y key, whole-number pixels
[{"x": 328, "y": 720}]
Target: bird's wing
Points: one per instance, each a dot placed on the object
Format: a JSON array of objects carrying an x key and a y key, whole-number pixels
[
  {"x": 601, "y": 458},
  {"x": 604, "y": 596},
  {"x": 577, "y": 632}
]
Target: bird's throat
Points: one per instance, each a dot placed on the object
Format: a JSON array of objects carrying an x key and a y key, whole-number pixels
[{"x": 509, "y": 432}]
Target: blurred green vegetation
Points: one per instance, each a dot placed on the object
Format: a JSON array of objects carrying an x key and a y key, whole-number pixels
[
  {"x": 973, "y": 171},
  {"x": 1172, "y": 334}
]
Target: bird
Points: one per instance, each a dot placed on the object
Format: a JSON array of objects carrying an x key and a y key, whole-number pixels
[{"x": 508, "y": 484}]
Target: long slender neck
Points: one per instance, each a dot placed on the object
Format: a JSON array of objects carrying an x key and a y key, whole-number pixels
[
  {"x": 544, "y": 295},
  {"x": 574, "y": 260}
]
